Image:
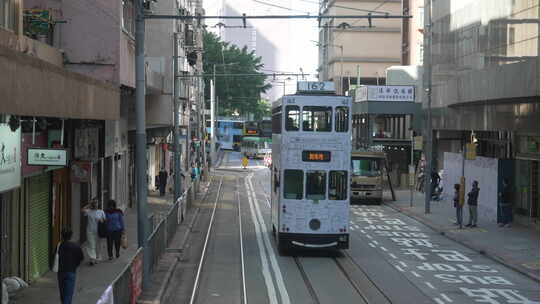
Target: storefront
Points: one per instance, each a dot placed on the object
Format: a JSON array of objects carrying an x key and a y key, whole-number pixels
[
  {"x": 526, "y": 178},
  {"x": 12, "y": 259}
]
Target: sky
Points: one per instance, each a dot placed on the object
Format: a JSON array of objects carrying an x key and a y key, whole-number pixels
[{"x": 293, "y": 38}]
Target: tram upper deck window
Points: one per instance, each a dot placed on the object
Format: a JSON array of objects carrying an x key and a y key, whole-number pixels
[
  {"x": 337, "y": 185},
  {"x": 293, "y": 186},
  {"x": 318, "y": 119},
  {"x": 342, "y": 119},
  {"x": 293, "y": 118},
  {"x": 238, "y": 125},
  {"x": 316, "y": 185}
]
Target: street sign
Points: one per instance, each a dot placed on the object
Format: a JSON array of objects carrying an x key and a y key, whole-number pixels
[
  {"x": 418, "y": 142},
  {"x": 470, "y": 151},
  {"x": 46, "y": 157},
  {"x": 412, "y": 179},
  {"x": 385, "y": 93}
]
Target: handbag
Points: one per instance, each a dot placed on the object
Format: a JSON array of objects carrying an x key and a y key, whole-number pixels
[
  {"x": 123, "y": 241},
  {"x": 56, "y": 259},
  {"x": 102, "y": 229}
]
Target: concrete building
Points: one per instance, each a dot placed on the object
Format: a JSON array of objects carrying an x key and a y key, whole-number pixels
[
  {"x": 68, "y": 83},
  {"x": 347, "y": 46},
  {"x": 486, "y": 92}
]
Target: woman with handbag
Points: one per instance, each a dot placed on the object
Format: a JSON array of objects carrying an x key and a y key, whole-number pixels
[
  {"x": 115, "y": 228},
  {"x": 95, "y": 217}
]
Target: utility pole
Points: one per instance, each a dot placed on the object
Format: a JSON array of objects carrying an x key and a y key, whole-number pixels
[
  {"x": 212, "y": 121},
  {"x": 176, "y": 131},
  {"x": 428, "y": 91},
  {"x": 140, "y": 145}
]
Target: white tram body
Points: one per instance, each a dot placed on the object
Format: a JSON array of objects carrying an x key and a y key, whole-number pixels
[{"x": 311, "y": 163}]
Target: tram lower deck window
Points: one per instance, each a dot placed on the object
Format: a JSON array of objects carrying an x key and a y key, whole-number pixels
[
  {"x": 316, "y": 185},
  {"x": 337, "y": 185},
  {"x": 293, "y": 185}
]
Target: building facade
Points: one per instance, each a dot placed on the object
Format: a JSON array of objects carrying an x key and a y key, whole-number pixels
[
  {"x": 486, "y": 90},
  {"x": 348, "y": 47}
]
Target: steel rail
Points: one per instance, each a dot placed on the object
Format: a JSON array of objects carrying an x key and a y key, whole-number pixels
[
  {"x": 203, "y": 255},
  {"x": 304, "y": 276},
  {"x": 348, "y": 256},
  {"x": 244, "y": 292}
]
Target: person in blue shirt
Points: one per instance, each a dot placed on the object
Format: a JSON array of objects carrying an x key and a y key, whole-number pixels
[{"x": 115, "y": 228}]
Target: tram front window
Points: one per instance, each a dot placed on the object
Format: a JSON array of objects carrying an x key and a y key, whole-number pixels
[
  {"x": 366, "y": 167},
  {"x": 342, "y": 119},
  {"x": 293, "y": 186},
  {"x": 318, "y": 119},
  {"x": 316, "y": 185},
  {"x": 293, "y": 118},
  {"x": 337, "y": 188}
]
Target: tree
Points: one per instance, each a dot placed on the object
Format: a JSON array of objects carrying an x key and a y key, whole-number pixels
[{"x": 239, "y": 94}]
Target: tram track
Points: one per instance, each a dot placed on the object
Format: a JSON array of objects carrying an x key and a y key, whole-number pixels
[
  {"x": 214, "y": 235},
  {"x": 359, "y": 289}
]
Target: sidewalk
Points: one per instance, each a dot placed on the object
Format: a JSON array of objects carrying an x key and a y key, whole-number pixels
[
  {"x": 517, "y": 247},
  {"x": 93, "y": 280}
]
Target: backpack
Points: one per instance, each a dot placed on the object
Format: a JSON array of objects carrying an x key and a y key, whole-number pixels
[{"x": 102, "y": 229}]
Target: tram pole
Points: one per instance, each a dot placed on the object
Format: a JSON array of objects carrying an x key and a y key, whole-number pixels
[
  {"x": 140, "y": 145},
  {"x": 176, "y": 130},
  {"x": 428, "y": 92},
  {"x": 212, "y": 121}
]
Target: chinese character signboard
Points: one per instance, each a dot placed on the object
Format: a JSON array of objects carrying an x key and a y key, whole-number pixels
[
  {"x": 385, "y": 93},
  {"x": 47, "y": 157},
  {"x": 10, "y": 158}
]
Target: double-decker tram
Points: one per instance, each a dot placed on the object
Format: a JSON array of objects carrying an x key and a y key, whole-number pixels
[
  {"x": 229, "y": 134},
  {"x": 311, "y": 163}
]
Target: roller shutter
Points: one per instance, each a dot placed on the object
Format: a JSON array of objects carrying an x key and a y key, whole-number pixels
[{"x": 39, "y": 188}]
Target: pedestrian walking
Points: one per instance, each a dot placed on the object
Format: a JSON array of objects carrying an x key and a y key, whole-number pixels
[
  {"x": 458, "y": 206},
  {"x": 162, "y": 179},
  {"x": 115, "y": 228},
  {"x": 95, "y": 217},
  {"x": 435, "y": 180},
  {"x": 245, "y": 162},
  {"x": 472, "y": 201},
  {"x": 505, "y": 200},
  {"x": 70, "y": 256}
]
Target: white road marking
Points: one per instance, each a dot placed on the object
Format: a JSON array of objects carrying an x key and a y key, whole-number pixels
[
  {"x": 375, "y": 242},
  {"x": 402, "y": 263},
  {"x": 446, "y": 298},
  {"x": 363, "y": 231},
  {"x": 372, "y": 245},
  {"x": 262, "y": 252},
  {"x": 277, "y": 271},
  {"x": 399, "y": 268},
  {"x": 369, "y": 236},
  {"x": 351, "y": 228},
  {"x": 439, "y": 301},
  {"x": 383, "y": 249},
  {"x": 430, "y": 285},
  {"x": 393, "y": 256},
  {"x": 414, "y": 273}
]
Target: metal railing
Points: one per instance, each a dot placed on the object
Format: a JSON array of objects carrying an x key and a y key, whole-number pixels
[{"x": 127, "y": 286}]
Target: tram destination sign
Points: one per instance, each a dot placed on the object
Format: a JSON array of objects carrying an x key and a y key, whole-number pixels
[
  {"x": 314, "y": 87},
  {"x": 384, "y": 93},
  {"x": 316, "y": 156}
]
